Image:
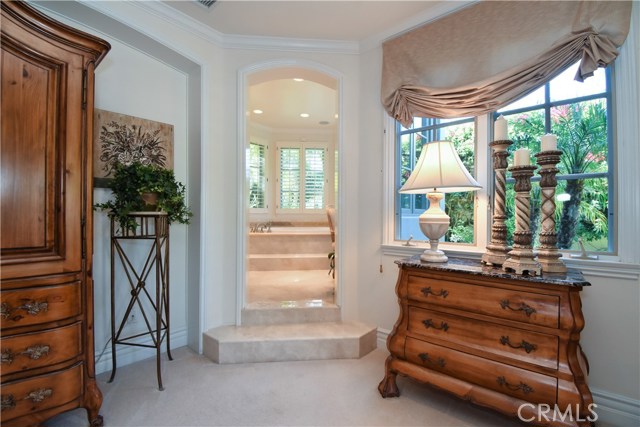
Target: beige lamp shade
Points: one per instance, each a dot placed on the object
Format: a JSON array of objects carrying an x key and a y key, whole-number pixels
[{"x": 439, "y": 169}]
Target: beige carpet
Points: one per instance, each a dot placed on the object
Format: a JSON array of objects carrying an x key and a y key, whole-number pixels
[{"x": 199, "y": 392}]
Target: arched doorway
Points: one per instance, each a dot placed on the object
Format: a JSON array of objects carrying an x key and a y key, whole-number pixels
[{"x": 289, "y": 148}]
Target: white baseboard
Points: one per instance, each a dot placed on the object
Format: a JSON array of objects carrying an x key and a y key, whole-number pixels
[
  {"x": 613, "y": 410},
  {"x": 382, "y": 338},
  {"x": 127, "y": 354}
]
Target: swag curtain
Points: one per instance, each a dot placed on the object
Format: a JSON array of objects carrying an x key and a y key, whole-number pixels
[{"x": 486, "y": 55}]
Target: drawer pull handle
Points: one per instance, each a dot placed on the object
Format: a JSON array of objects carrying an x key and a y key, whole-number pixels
[
  {"x": 8, "y": 402},
  {"x": 526, "y": 389},
  {"x": 39, "y": 395},
  {"x": 426, "y": 291},
  {"x": 6, "y": 357},
  {"x": 34, "y": 353},
  {"x": 426, "y": 359},
  {"x": 30, "y": 306},
  {"x": 528, "y": 310},
  {"x": 429, "y": 324},
  {"x": 528, "y": 347}
]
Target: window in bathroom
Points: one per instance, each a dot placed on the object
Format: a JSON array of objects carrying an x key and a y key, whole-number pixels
[
  {"x": 301, "y": 177},
  {"x": 257, "y": 176}
]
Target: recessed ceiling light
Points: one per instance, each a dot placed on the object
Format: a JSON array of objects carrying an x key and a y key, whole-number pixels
[
  {"x": 257, "y": 111},
  {"x": 305, "y": 115},
  {"x": 336, "y": 115},
  {"x": 298, "y": 79}
]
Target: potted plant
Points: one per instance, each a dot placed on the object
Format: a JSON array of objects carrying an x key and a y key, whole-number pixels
[{"x": 139, "y": 187}]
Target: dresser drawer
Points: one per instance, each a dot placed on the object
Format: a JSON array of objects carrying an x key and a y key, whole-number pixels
[
  {"x": 32, "y": 306},
  {"x": 519, "y": 383},
  {"x": 526, "y": 346},
  {"x": 522, "y": 306},
  {"x": 42, "y": 392},
  {"x": 35, "y": 350}
]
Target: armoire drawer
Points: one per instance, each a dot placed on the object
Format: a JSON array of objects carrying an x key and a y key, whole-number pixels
[
  {"x": 519, "y": 383},
  {"x": 39, "y": 349},
  {"x": 32, "y": 306},
  {"x": 528, "y": 307},
  {"x": 527, "y": 346},
  {"x": 41, "y": 392}
]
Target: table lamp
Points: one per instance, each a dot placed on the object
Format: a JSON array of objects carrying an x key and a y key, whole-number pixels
[{"x": 439, "y": 170}]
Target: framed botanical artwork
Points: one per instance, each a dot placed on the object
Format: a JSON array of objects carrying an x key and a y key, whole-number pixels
[{"x": 119, "y": 138}]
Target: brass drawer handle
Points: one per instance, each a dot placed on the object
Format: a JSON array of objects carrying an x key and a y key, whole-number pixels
[
  {"x": 36, "y": 396},
  {"x": 34, "y": 353},
  {"x": 30, "y": 306},
  {"x": 8, "y": 402},
  {"x": 39, "y": 395},
  {"x": 426, "y": 291},
  {"x": 426, "y": 359},
  {"x": 526, "y": 389},
  {"x": 528, "y": 347},
  {"x": 429, "y": 324},
  {"x": 528, "y": 310}
]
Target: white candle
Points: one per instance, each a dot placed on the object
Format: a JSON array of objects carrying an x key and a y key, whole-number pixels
[
  {"x": 521, "y": 157},
  {"x": 500, "y": 130},
  {"x": 549, "y": 142}
]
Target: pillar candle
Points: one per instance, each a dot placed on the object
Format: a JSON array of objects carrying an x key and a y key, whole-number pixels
[
  {"x": 549, "y": 142},
  {"x": 521, "y": 157},
  {"x": 500, "y": 130}
]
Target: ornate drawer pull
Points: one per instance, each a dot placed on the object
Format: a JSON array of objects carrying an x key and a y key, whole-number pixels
[
  {"x": 34, "y": 353},
  {"x": 6, "y": 357},
  {"x": 30, "y": 306},
  {"x": 429, "y": 324},
  {"x": 528, "y": 347},
  {"x": 8, "y": 402},
  {"x": 39, "y": 395},
  {"x": 426, "y": 359},
  {"x": 426, "y": 291},
  {"x": 528, "y": 310},
  {"x": 522, "y": 386}
]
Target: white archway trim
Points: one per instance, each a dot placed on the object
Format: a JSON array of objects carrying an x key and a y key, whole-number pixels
[{"x": 242, "y": 228}]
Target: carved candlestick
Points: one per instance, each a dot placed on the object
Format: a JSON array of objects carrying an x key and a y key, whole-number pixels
[
  {"x": 497, "y": 249},
  {"x": 548, "y": 254},
  {"x": 521, "y": 258}
]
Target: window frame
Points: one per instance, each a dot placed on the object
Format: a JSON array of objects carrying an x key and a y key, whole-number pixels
[{"x": 484, "y": 172}]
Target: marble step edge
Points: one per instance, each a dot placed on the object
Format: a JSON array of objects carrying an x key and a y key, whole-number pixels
[
  {"x": 274, "y": 343},
  {"x": 255, "y": 315}
]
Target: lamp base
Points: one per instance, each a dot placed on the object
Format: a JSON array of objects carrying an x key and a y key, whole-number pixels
[{"x": 429, "y": 255}]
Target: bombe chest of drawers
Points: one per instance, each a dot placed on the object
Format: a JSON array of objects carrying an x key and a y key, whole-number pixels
[{"x": 500, "y": 340}]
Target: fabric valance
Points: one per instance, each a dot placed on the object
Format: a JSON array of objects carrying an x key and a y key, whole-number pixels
[{"x": 484, "y": 56}]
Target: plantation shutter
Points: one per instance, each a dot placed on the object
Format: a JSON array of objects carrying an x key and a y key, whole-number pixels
[
  {"x": 257, "y": 176},
  {"x": 289, "y": 178},
  {"x": 314, "y": 178}
]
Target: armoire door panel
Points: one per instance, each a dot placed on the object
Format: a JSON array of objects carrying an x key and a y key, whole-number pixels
[{"x": 41, "y": 217}]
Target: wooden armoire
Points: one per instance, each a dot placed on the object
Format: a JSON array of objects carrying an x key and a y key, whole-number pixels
[{"x": 46, "y": 303}]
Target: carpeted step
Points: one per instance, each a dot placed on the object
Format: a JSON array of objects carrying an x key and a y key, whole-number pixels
[{"x": 289, "y": 342}]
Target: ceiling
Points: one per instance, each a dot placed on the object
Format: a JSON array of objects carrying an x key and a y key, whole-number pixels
[
  {"x": 306, "y": 19},
  {"x": 280, "y": 98}
]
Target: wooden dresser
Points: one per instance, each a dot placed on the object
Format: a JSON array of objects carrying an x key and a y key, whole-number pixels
[
  {"x": 46, "y": 296},
  {"x": 500, "y": 340}
]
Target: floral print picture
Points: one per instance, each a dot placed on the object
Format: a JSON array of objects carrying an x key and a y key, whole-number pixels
[{"x": 119, "y": 138}]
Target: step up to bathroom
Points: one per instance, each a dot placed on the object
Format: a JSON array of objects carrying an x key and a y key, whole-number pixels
[{"x": 289, "y": 342}]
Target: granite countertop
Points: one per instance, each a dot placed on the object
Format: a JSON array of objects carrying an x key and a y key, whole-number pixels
[{"x": 571, "y": 278}]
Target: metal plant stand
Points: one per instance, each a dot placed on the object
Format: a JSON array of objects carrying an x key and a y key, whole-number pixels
[{"x": 154, "y": 309}]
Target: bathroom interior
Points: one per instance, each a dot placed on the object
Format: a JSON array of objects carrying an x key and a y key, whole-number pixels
[{"x": 292, "y": 131}]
